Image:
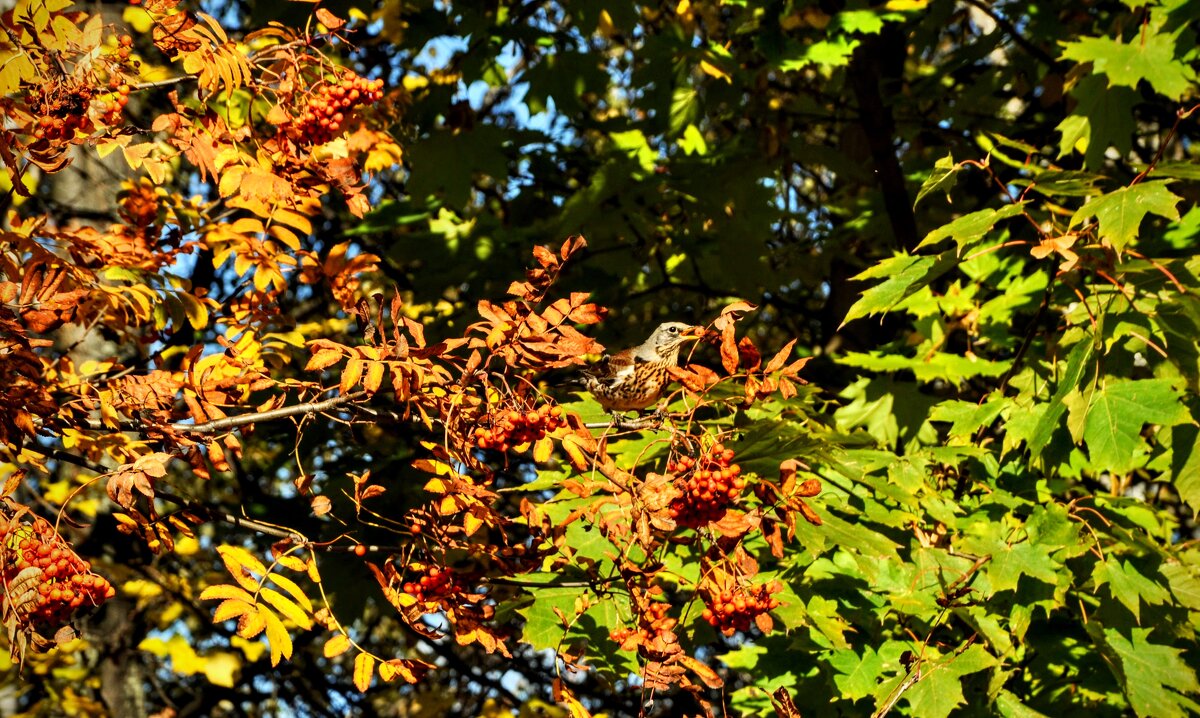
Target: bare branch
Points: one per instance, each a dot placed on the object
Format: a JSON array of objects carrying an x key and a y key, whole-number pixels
[{"x": 232, "y": 422}]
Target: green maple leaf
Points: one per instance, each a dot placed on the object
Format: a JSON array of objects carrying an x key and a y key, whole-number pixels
[
  {"x": 1102, "y": 119},
  {"x": 1121, "y": 211},
  {"x": 970, "y": 228},
  {"x": 1151, "y": 674},
  {"x": 1150, "y": 57},
  {"x": 903, "y": 275},
  {"x": 857, "y": 675},
  {"x": 1129, "y": 586},
  {"x": 940, "y": 689},
  {"x": 1008, "y": 564},
  {"x": 1113, "y": 417}
]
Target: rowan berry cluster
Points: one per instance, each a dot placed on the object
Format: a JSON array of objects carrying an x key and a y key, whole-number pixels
[
  {"x": 653, "y": 623},
  {"x": 60, "y": 111},
  {"x": 710, "y": 484},
  {"x": 66, "y": 582},
  {"x": 732, "y": 611},
  {"x": 514, "y": 428},
  {"x": 327, "y": 112},
  {"x": 124, "y": 47},
  {"x": 435, "y": 584}
]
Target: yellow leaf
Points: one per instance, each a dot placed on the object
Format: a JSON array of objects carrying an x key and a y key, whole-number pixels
[
  {"x": 221, "y": 667},
  {"x": 287, "y": 607},
  {"x": 277, "y": 636},
  {"x": 138, "y": 19},
  {"x": 471, "y": 524},
  {"x": 293, "y": 562},
  {"x": 364, "y": 670},
  {"x": 290, "y": 586},
  {"x": 251, "y": 624},
  {"x": 713, "y": 71},
  {"x": 542, "y": 449},
  {"x": 239, "y": 562},
  {"x": 604, "y": 25},
  {"x": 252, "y": 650},
  {"x": 337, "y": 645},
  {"x": 231, "y": 608},
  {"x": 225, "y": 590}
]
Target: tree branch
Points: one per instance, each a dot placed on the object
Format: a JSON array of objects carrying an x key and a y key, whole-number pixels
[{"x": 232, "y": 422}]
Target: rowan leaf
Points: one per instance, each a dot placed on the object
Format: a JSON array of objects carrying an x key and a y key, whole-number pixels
[
  {"x": 337, "y": 644},
  {"x": 232, "y": 608},
  {"x": 223, "y": 591},
  {"x": 323, "y": 358},
  {"x": 291, "y": 586},
  {"x": 286, "y": 607},
  {"x": 241, "y": 564},
  {"x": 364, "y": 671},
  {"x": 277, "y": 635}
]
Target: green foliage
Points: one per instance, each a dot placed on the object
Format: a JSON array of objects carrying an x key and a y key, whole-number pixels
[{"x": 1006, "y": 376}]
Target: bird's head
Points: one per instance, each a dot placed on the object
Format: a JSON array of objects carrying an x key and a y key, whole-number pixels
[{"x": 668, "y": 337}]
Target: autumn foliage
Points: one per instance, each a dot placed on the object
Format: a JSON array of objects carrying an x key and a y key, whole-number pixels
[
  {"x": 292, "y": 403},
  {"x": 135, "y": 425}
]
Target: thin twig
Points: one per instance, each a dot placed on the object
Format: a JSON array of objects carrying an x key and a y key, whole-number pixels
[
  {"x": 239, "y": 521},
  {"x": 232, "y": 422}
]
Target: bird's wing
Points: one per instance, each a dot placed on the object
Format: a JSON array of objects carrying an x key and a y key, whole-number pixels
[{"x": 611, "y": 368}]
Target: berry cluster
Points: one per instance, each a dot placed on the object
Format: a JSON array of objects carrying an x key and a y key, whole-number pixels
[
  {"x": 435, "y": 584},
  {"x": 732, "y": 611},
  {"x": 61, "y": 111},
  {"x": 709, "y": 484},
  {"x": 653, "y": 623},
  {"x": 124, "y": 47},
  {"x": 66, "y": 583},
  {"x": 327, "y": 112},
  {"x": 515, "y": 428}
]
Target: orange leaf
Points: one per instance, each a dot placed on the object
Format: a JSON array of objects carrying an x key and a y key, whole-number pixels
[
  {"x": 321, "y": 505},
  {"x": 706, "y": 673},
  {"x": 323, "y": 358},
  {"x": 374, "y": 377},
  {"x": 571, "y": 445},
  {"x": 328, "y": 19},
  {"x": 352, "y": 375},
  {"x": 729, "y": 349},
  {"x": 777, "y": 361},
  {"x": 364, "y": 670},
  {"x": 784, "y": 706},
  {"x": 410, "y": 671}
]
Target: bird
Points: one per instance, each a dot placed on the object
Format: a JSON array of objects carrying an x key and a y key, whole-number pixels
[{"x": 635, "y": 378}]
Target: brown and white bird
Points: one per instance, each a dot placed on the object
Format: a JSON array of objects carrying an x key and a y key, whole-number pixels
[{"x": 636, "y": 377}]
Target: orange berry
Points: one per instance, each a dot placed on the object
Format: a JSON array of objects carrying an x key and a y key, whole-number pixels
[{"x": 360, "y": 550}]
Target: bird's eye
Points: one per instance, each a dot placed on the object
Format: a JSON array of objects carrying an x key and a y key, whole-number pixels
[{"x": 673, "y": 330}]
